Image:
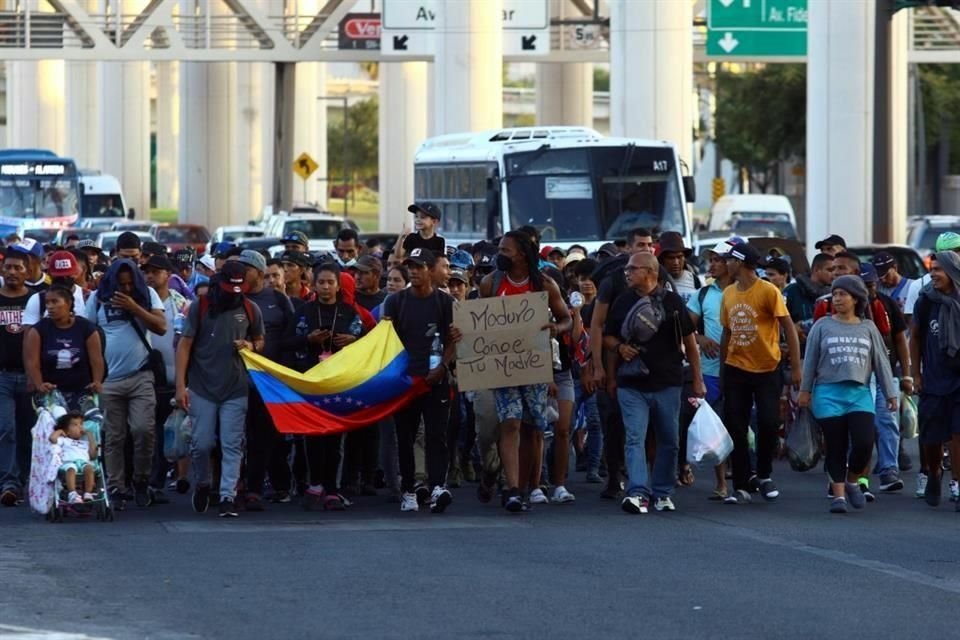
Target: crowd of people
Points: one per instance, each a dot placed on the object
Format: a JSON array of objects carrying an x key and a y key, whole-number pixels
[{"x": 641, "y": 336}]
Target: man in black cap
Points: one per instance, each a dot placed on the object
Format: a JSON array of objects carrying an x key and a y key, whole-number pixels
[
  {"x": 891, "y": 283},
  {"x": 832, "y": 245},
  {"x": 296, "y": 241},
  {"x": 129, "y": 246},
  {"x": 752, "y": 313},
  {"x": 430, "y": 353},
  {"x": 426, "y": 217}
]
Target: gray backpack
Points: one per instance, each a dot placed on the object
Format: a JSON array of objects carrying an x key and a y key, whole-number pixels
[{"x": 644, "y": 319}]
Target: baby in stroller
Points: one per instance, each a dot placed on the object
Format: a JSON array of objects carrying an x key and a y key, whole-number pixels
[{"x": 79, "y": 453}]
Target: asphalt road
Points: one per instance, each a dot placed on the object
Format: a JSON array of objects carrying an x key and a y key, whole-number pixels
[{"x": 780, "y": 570}]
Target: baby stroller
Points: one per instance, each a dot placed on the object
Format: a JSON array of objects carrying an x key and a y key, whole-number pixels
[{"x": 48, "y": 494}]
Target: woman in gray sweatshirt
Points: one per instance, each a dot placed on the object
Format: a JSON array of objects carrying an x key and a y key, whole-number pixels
[{"x": 843, "y": 352}]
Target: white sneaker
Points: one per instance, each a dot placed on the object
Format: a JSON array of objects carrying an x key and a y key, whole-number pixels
[
  {"x": 921, "y": 485},
  {"x": 89, "y": 497},
  {"x": 664, "y": 504},
  {"x": 409, "y": 502},
  {"x": 562, "y": 496},
  {"x": 537, "y": 496},
  {"x": 954, "y": 490},
  {"x": 440, "y": 499},
  {"x": 74, "y": 498}
]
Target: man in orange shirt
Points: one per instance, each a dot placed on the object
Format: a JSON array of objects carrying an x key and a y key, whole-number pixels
[{"x": 752, "y": 313}]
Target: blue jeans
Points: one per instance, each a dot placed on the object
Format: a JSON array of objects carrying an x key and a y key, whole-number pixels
[
  {"x": 15, "y": 420},
  {"x": 231, "y": 416},
  {"x": 591, "y": 414},
  {"x": 888, "y": 431},
  {"x": 639, "y": 409}
]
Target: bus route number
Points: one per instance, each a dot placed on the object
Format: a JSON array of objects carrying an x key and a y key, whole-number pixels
[{"x": 660, "y": 165}]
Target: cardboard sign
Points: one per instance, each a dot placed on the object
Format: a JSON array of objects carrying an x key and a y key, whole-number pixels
[{"x": 503, "y": 344}]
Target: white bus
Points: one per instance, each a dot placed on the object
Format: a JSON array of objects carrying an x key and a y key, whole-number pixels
[
  {"x": 101, "y": 200},
  {"x": 571, "y": 183}
]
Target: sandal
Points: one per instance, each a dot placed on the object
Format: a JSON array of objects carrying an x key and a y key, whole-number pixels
[
  {"x": 686, "y": 476},
  {"x": 718, "y": 495}
]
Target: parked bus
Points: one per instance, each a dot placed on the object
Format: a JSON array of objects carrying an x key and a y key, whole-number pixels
[
  {"x": 573, "y": 184},
  {"x": 38, "y": 190}
]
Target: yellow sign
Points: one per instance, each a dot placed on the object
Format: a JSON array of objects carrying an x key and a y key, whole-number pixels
[{"x": 304, "y": 166}]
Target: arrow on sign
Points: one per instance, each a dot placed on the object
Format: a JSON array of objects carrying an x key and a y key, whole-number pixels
[
  {"x": 400, "y": 43},
  {"x": 528, "y": 43},
  {"x": 728, "y": 43}
]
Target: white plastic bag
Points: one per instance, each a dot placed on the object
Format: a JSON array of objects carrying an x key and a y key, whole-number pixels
[{"x": 707, "y": 440}]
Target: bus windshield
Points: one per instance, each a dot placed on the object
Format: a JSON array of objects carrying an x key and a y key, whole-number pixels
[
  {"x": 594, "y": 193},
  {"x": 38, "y": 190}
]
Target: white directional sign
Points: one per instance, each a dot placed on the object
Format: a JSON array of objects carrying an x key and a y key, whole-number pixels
[{"x": 408, "y": 27}]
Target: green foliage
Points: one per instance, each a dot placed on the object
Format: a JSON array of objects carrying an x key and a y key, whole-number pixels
[
  {"x": 761, "y": 118},
  {"x": 362, "y": 143},
  {"x": 940, "y": 90},
  {"x": 601, "y": 79}
]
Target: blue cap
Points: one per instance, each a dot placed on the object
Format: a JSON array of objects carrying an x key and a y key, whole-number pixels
[
  {"x": 868, "y": 273},
  {"x": 221, "y": 248},
  {"x": 30, "y": 247}
]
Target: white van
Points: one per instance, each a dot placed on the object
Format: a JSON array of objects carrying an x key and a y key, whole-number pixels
[
  {"x": 101, "y": 201},
  {"x": 754, "y": 215}
]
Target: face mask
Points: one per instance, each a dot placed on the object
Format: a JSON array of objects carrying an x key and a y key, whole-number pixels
[
  {"x": 348, "y": 264},
  {"x": 504, "y": 263}
]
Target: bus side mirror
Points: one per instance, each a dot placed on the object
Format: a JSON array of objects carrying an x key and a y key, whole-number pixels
[
  {"x": 131, "y": 213},
  {"x": 689, "y": 189}
]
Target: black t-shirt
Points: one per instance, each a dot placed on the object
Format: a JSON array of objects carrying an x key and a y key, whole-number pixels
[
  {"x": 422, "y": 325},
  {"x": 11, "y": 331},
  {"x": 370, "y": 301},
  {"x": 939, "y": 378},
  {"x": 63, "y": 354},
  {"x": 437, "y": 244},
  {"x": 277, "y": 312},
  {"x": 662, "y": 353}
]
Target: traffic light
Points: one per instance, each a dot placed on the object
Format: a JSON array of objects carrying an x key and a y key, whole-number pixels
[{"x": 910, "y": 4}]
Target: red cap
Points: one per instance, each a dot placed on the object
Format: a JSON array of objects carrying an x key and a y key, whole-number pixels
[
  {"x": 545, "y": 252},
  {"x": 62, "y": 264}
]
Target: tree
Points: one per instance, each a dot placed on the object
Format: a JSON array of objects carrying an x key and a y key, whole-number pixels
[
  {"x": 362, "y": 141},
  {"x": 761, "y": 119},
  {"x": 940, "y": 94}
]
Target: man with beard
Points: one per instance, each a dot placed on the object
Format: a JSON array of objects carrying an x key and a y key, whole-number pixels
[{"x": 217, "y": 327}]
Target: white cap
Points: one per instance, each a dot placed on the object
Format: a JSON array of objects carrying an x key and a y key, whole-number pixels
[
  {"x": 722, "y": 248},
  {"x": 208, "y": 262}
]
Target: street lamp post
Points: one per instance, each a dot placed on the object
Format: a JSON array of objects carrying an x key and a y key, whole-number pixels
[{"x": 346, "y": 162}]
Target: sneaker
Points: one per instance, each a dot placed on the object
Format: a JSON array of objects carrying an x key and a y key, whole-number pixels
[
  {"x": 182, "y": 486},
  {"x": 141, "y": 493},
  {"x": 74, "y": 498},
  {"x": 89, "y": 497},
  {"x": 664, "y": 504},
  {"x": 932, "y": 492},
  {"x": 921, "y": 485},
  {"x": 440, "y": 499},
  {"x": 635, "y": 505},
  {"x": 838, "y": 505},
  {"x": 537, "y": 496},
  {"x": 512, "y": 501},
  {"x": 8, "y": 498},
  {"x": 313, "y": 499},
  {"x": 868, "y": 495},
  {"x": 228, "y": 508},
  {"x": 856, "y": 495},
  {"x": 562, "y": 496},
  {"x": 768, "y": 489},
  {"x": 201, "y": 498},
  {"x": 954, "y": 491},
  {"x": 335, "y": 502},
  {"x": 281, "y": 497},
  {"x": 594, "y": 478},
  {"x": 409, "y": 502},
  {"x": 253, "y": 502},
  {"x": 738, "y": 497},
  {"x": 890, "y": 481},
  {"x": 423, "y": 493}
]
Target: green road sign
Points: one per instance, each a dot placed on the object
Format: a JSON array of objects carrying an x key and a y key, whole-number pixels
[{"x": 757, "y": 28}]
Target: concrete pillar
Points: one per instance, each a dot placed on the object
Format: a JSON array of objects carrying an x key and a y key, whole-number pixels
[
  {"x": 206, "y": 149},
  {"x": 251, "y": 117},
  {"x": 403, "y": 126},
  {"x": 310, "y": 130},
  {"x": 565, "y": 94},
  {"x": 168, "y": 134},
  {"x": 900, "y": 148},
  {"x": 651, "y": 72},
  {"x": 840, "y": 120},
  {"x": 82, "y": 113},
  {"x": 36, "y": 111},
  {"x": 468, "y": 67}
]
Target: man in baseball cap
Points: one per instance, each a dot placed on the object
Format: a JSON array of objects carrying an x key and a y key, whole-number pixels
[
  {"x": 296, "y": 241},
  {"x": 421, "y": 258},
  {"x": 129, "y": 246},
  {"x": 832, "y": 245}
]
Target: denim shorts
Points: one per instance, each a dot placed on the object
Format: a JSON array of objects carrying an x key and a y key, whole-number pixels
[
  {"x": 79, "y": 466},
  {"x": 527, "y": 404},
  {"x": 564, "y": 382}
]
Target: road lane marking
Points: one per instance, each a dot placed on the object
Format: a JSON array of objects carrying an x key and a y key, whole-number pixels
[{"x": 379, "y": 524}]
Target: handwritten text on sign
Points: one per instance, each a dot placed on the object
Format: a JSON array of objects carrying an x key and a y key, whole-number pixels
[{"x": 503, "y": 344}]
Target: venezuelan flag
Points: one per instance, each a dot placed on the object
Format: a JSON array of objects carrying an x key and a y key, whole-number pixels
[{"x": 357, "y": 386}]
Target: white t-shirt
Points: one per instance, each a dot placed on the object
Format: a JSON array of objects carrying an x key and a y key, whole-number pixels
[
  {"x": 915, "y": 288},
  {"x": 74, "y": 450},
  {"x": 31, "y": 314},
  {"x": 686, "y": 285}
]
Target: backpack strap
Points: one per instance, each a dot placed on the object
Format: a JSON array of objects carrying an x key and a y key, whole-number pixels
[{"x": 701, "y": 296}]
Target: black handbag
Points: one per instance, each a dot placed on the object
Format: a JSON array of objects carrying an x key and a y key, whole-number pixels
[{"x": 155, "y": 361}]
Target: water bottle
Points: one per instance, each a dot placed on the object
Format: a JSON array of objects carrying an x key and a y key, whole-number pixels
[
  {"x": 178, "y": 324},
  {"x": 436, "y": 357},
  {"x": 576, "y": 299}
]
